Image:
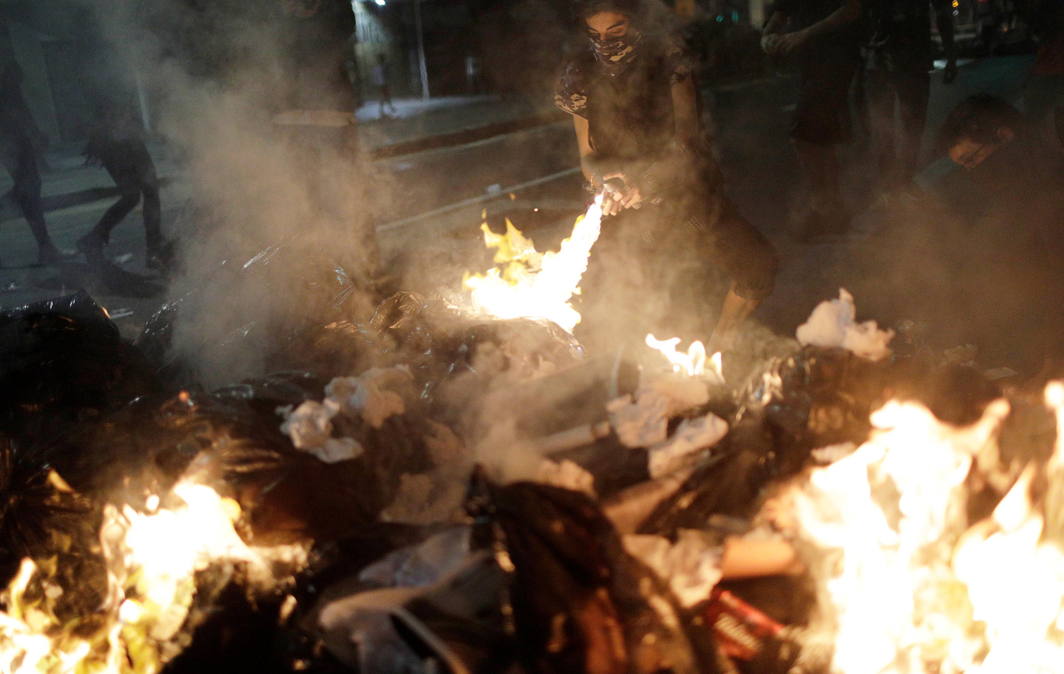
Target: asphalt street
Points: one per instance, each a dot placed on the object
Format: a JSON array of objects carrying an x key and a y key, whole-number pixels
[{"x": 438, "y": 195}]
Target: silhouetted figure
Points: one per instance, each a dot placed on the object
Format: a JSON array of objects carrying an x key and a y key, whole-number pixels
[
  {"x": 637, "y": 118},
  {"x": 384, "y": 89},
  {"x": 1044, "y": 94},
  {"x": 19, "y": 158},
  {"x": 822, "y": 36},
  {"x": 898, "y": 60},
  {"x": 117, "y": 143}
]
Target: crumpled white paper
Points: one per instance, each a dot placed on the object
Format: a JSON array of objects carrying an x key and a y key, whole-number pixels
[
  {"x": 566, "y": 474},
  {"x": 691, "y": 565},
  {"x": 309, "y": 425},
  {"x": 374, "y": 395},
  {"x": 833, "y": 324},
  {"x": 691, "y": 436},
  {"x": 310, "y": 428},
  {"x": 643, "y": 422}
]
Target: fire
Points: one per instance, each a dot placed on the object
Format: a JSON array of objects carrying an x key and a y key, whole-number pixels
[
  {"x": 914, "y": 588},
  {"x": 528, "y": 284},
  {"x": 152, "y": 560},
  {"x": 693, "y": 362}
]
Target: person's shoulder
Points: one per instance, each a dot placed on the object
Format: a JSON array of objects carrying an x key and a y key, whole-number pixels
[{"x": 571, "y": 90}]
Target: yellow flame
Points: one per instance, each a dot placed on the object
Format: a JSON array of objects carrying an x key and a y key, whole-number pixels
[
  {"x": 152, "y": 560},
  {"x": 528, "y": 284},
  {"x": 912, "y": 587},
  {"x": 693, "y": 362}
]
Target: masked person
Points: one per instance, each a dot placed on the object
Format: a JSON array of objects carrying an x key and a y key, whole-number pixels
[
  {"x": 822, "y": 37},
  {"x": 638, "y": 122}
]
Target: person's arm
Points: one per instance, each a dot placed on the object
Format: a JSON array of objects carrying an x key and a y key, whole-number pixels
[
  {"x": 848, "y": 12},
  {"x": 618, "y": 192},
  {"x": 583, "y": 143},
  {"x": 773, "y": 28},
  {"x": 944, "y": 22}
]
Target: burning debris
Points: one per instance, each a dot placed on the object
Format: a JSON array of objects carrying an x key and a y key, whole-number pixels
[{"x": 423, "y": 489}]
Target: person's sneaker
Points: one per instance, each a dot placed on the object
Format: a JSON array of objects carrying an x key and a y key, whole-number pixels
[
  {"x": 159, "y": 257},
  {"x": 91, "y": 246},
  {"x": 49, "y": 254}
]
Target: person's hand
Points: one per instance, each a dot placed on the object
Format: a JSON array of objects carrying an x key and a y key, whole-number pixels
[
  {"x": 788, "y": 43},
  {"x": 618, "y": 193},
  {"x": 950, "y": 73},
  {"x": 769, "y": 43}
]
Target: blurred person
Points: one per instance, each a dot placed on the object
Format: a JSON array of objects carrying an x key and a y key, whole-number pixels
[
  {"x": 638, "y": 123},
  {"x": 116, "y": 142},
  {"x": 898, "y": 60},
  {"x": 822, "y": 37},
  {"x": 1044, "y": 91},
  {"x": 384, "y": 89},
  {"x": 1011, "y": 208},
  {"x": 18, "y": 154}
]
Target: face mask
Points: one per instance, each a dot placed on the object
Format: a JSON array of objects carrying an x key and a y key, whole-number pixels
[{"x": 617, "y": 52}]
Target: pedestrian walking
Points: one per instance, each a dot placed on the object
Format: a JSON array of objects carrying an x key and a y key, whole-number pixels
[
  {"x": 637, "y": 117},
  {"x": 898, "y": 55},
  {"x": 822, "y": 37},
  {"x": 117, "y": 143},
  {"x": 18, "y": 155},
  {"x": 384, "y": 90}
]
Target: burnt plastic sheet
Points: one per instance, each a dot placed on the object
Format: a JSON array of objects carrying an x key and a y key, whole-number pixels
[{"x": 63, "y": 361}]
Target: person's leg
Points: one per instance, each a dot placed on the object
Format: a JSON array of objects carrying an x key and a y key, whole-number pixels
[
  {"x": 148, "y": 183},
  {"x": 752, "y": 263},
  {"x": 914, "y": 91},
  {"x": 20, "y": 161},
  {"x": 121, "y": 171},
  {"x": 821, "y": 121},
  {"x": 820, "y": 166},
  {"x": 882, "y": 96}
]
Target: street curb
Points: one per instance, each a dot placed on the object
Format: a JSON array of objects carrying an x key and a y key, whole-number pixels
[{"x": 469, "y": 135}]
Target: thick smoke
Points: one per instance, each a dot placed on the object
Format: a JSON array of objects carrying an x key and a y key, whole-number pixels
[{"x": 275, "y": 205}]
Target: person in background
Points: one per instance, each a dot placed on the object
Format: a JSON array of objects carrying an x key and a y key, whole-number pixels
[
  {"x": 1044, "y": 93},
  {"x": 639, "y": 129},
  {"x": 898, "y": 59},
  {"x": 384, "y": 89},
  {"x": 823, "y": 37},
  {"x": 18, "y": 155},
  {"x": 116, "y": 142},
  {"x": 1009, "y": 202}
]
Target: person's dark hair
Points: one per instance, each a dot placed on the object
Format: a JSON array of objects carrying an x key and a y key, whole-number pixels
[
  {"x": 978, "y": 118},
  {"x": 582, "y": 9}
]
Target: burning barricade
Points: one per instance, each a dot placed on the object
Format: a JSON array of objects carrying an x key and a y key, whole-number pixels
[{"x": 432, "y": 490}]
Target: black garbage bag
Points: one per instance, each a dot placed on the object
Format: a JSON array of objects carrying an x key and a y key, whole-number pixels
[
  {"x": 579, "y": 602},
  {"x": 62, "y": 362},
  {"x": 234, "y": 436}
]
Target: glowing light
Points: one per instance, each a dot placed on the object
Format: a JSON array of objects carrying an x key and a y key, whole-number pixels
[
  {"x": 692, "y": 362},
  {"x": 528, "y": 284},
  {"x": 911, "y": 585},
  {"x": 152, "y": 560}
]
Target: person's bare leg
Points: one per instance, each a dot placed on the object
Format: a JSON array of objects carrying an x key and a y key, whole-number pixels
[{"x": 733, "y": 313}]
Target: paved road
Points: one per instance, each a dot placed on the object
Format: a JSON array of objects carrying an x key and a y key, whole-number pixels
[{"x": 443, "y": 191}]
